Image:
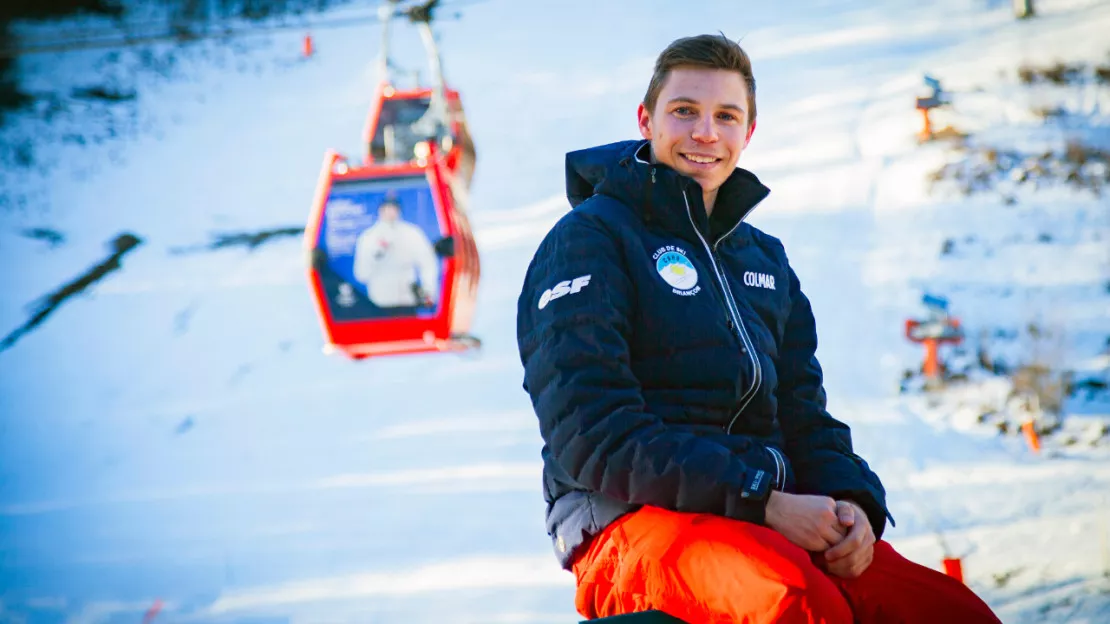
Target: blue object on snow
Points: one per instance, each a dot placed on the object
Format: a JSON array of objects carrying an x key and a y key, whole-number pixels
[
  {"x": 935, "y": 301},
  {"x": 937, "y": 98},
  {"x": 184, "y": 426}
]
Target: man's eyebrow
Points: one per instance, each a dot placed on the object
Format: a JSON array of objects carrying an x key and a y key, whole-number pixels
[{"x": 688, "y": 100}]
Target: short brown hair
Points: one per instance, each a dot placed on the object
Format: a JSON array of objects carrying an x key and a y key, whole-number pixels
[{"x": 706, "y": 52}]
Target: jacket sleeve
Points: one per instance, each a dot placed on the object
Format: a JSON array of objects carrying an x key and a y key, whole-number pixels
[
  {"x": 819, "y": 446},
  {"x": 573, "y": 332}
]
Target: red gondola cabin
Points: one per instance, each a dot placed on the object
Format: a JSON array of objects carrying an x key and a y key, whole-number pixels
[{"x": 392, "y": 260}]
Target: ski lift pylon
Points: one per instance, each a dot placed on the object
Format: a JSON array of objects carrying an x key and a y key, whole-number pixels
[{"x": 392, "y": 260}]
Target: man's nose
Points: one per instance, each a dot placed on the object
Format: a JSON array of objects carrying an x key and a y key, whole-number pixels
[{"x": 705, "y": 130}]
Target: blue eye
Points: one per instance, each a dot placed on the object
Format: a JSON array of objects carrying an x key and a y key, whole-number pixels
[{"x": 684, "y": 110}]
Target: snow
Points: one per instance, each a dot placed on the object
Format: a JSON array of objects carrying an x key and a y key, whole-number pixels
[{"x": 176, "y": 434}]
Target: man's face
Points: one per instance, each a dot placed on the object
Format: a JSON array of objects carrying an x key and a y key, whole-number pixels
[
  {"x": 389, "y": 212},
  {"x": 700, "y": 124}
]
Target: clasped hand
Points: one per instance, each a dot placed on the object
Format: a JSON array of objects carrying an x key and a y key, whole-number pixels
[{"x": 838, "y": 529}]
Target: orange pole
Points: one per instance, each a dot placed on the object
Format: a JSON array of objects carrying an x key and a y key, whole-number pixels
[
  {"x": 954, "y": 567},
  {"x": 926, "y": 126},
  {"x": 1031, "y": 436},
  {"x": 932, "y": 360},
  {"x": 307, "y": 48}
]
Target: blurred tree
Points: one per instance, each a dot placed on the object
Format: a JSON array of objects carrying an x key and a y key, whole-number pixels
[
  {"x": 11, "y": 97},
  {"x": 185, "y": 20}
]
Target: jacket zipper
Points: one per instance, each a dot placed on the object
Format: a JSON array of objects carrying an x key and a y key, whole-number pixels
[
  {"x": 751, "y": 347},
  {"x": 734, "y": 312},
  {"x": 780, "y": 461}
]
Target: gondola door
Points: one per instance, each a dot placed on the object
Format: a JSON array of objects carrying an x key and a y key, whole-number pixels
[{"x": 392, "y": 262}]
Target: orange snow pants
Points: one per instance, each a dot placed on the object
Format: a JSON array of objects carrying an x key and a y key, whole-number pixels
[{"x": 706, "y": 569}]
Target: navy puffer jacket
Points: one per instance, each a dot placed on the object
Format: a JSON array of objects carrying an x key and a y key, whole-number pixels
[{"x": 670, "y": 356}]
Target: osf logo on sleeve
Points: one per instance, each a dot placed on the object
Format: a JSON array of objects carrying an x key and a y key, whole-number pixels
[{"x": 569, "y": 287}]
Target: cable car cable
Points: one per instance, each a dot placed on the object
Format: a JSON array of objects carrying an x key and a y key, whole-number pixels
[{"x": 180, "y": 35}]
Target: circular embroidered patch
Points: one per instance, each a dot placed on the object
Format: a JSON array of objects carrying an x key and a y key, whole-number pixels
[{"x": 677, "y": 270}]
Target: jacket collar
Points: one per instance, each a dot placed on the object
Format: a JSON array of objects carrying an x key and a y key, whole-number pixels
[{"x": 661, "y": 195}]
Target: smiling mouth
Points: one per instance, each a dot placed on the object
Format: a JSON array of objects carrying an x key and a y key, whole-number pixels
[{"x": 700, "y": 160}]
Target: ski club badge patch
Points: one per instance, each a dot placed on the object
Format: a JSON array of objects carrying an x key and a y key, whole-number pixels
[{"x": 676, "y": 269}]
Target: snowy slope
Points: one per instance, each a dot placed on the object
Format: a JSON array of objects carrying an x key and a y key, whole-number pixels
[{"x": 176, "y": 434}]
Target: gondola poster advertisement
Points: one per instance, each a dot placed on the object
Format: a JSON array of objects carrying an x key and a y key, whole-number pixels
[{"x": 378, "y": 237}]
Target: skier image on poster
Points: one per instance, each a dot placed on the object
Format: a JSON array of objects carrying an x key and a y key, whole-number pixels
[{"x": 396, "y": 261}]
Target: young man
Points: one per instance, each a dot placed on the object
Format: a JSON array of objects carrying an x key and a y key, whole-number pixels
[
  {"x": 396, "y": 261},
  {"x": 690, "y": 465}
]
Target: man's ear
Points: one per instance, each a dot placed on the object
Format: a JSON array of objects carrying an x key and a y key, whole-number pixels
[
  {"x": 643, "y": 118},
  {"x": 751, "y": 131}
]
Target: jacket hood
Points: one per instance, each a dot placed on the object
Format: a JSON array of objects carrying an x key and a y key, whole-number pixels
[{"x": 594, "y": 170}]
